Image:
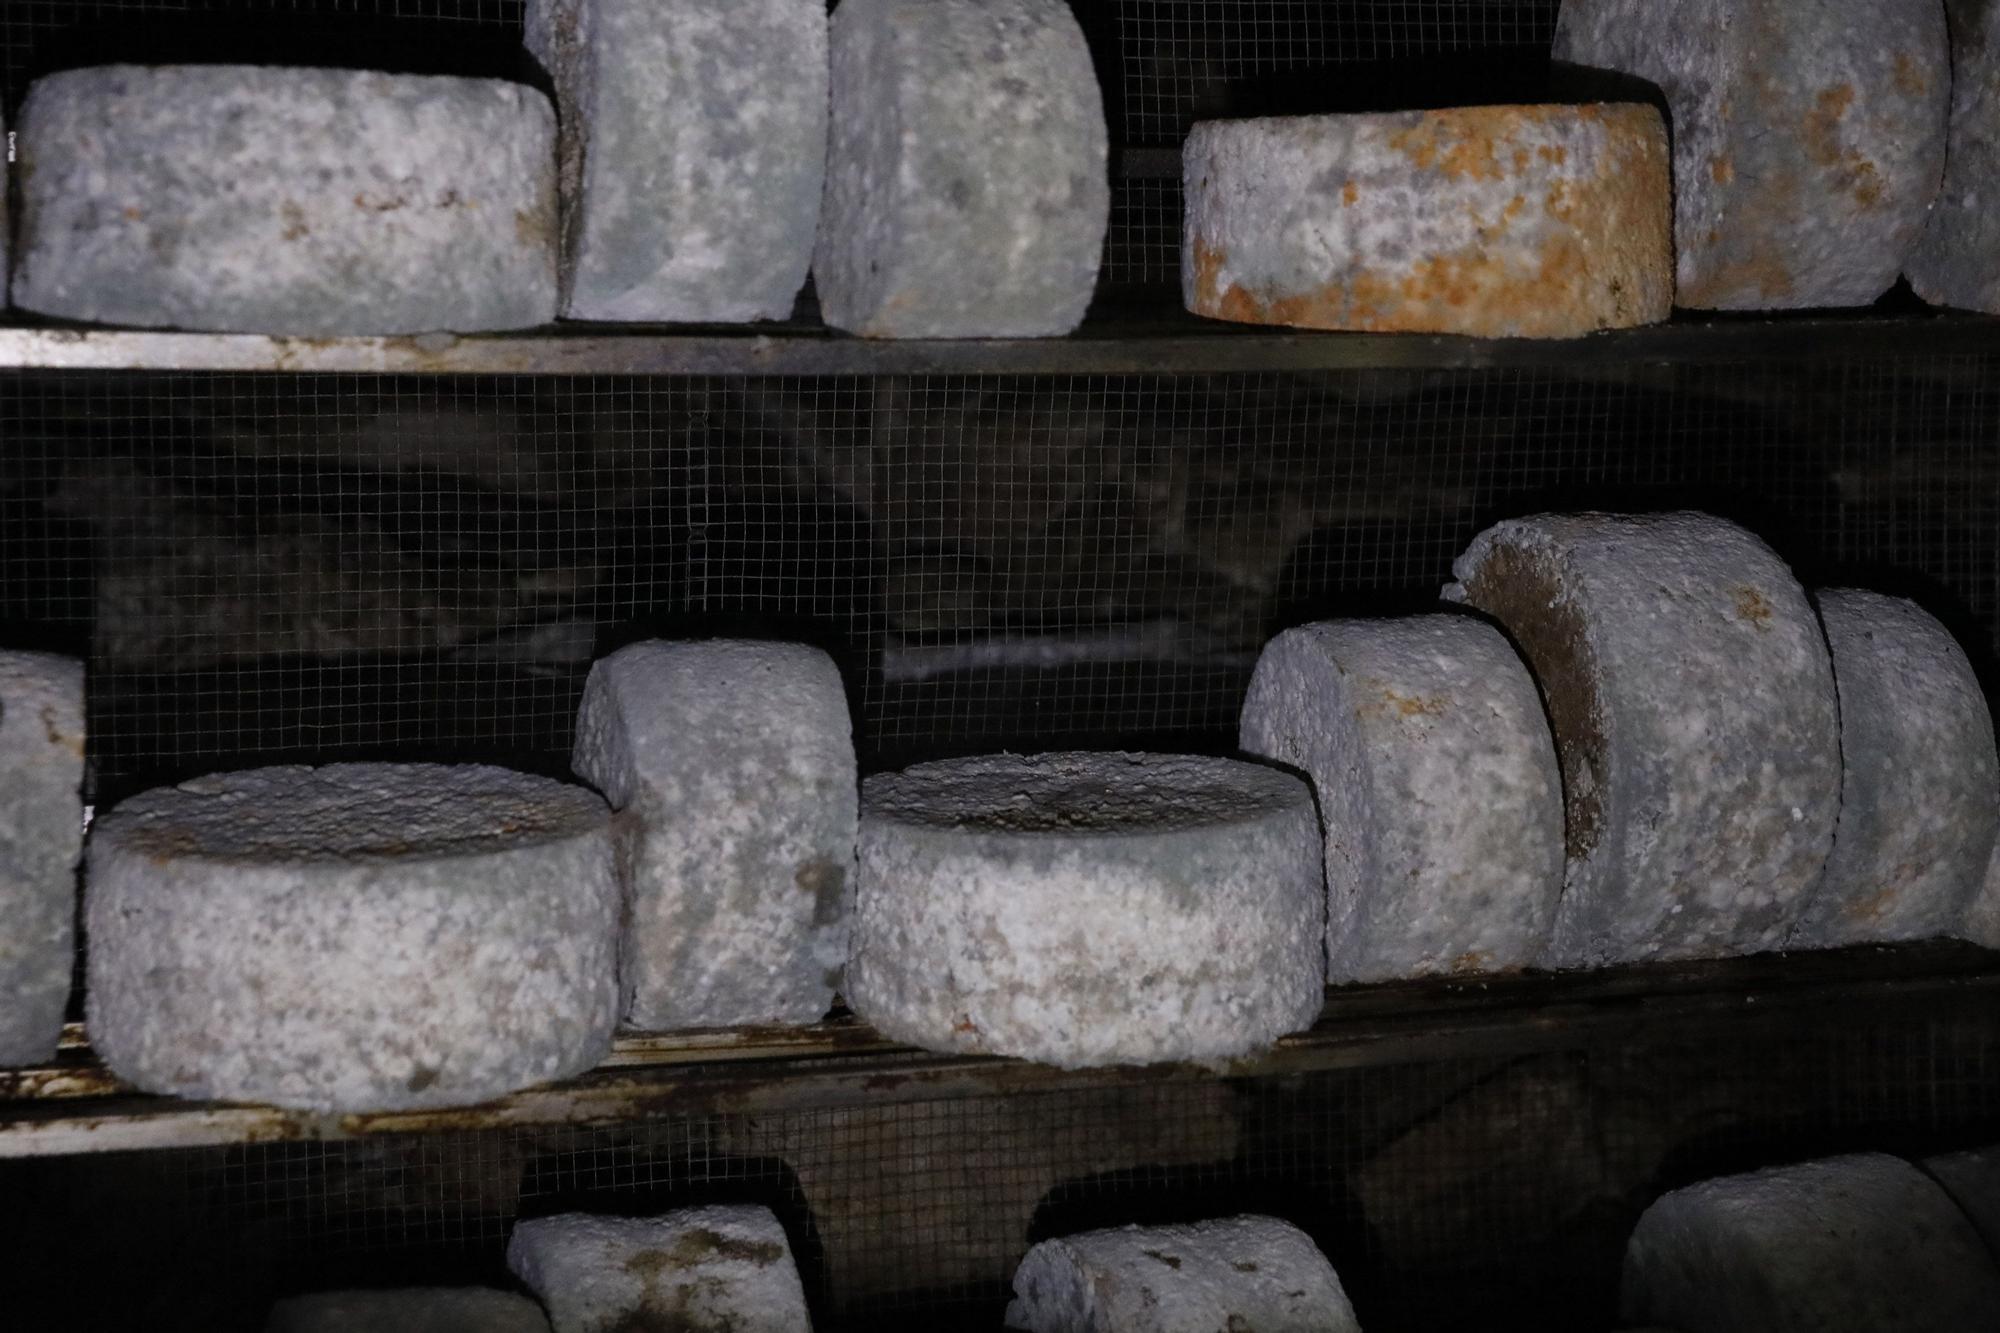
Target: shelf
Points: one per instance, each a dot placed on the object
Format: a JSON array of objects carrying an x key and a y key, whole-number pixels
[
  {"x": 1114, "y": 342},
  {"x": 74, "y": 1105}
]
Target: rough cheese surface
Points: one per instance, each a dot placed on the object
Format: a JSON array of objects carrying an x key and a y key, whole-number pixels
[
  {"x": 1809, "y": 139},
  {"x": 1089, "y": 908},
  {"x": 733, "y": 764},
  {"x": 1438, "y": 790},
  {"x": 1956, "y": 261},
  {"x": 966, "y": 190},
  {"x": 359, "y": 937},
  {"x": 1693, "y": 708},
  {"x": 1972, "y": 1179},
  {"x": 1920, "y": 791},
  {"x": 286, "y": 201},
  {"x": 408, "y": 1310},
  {"x": 1846, "y": 1245},
  {"x": 693, "y": 149},
  {"x": 1981, "y": 923},
  {"x": 718, "y": 1269},
  {"x": 41, "y": 840},
  {"x": 1500, "y": 221},
  {"x": 1232, "y": 1273}
]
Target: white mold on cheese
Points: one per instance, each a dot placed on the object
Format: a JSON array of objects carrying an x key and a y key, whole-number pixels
[
  {"x": 1956, "y": 261},
  {"x": 359, "y": 937},
  {"x": 1920, "y": 791},
  {"x": 693, "y": 153},
  {"x": 1809, "y": 139},
  {"x": 1846, "y": 1245},
  {"x": 1501, "y": 221},
  {"x": 41, "y": 840},
  {"x": 732, "y": 763},
  {"x": 1232, "y": 1273},
  {"x": 288, "y": 201},
  {"x": 1693, "y": 709},
  {"x": 726, "y": 1268},
  {"x": 1438, "y": 790},
  {"x": 966, "y": 189},
  {"x": 1089, "y": 908},
  {"x": 408, "y": 1310}
]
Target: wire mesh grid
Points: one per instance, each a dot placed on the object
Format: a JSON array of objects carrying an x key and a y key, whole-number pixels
[
  {"x": 317, "y": 566},
  {"x": 1504, "y": 1183}
]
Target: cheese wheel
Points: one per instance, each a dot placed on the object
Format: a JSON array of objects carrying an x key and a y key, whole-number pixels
[
  {"x": 288, "y": 201},
  {"x": 1847, "y": 1245},
  {"x": 1500, "y": 221},
  {"x": 1089, "y": 908},
  {"x": 1693, "y": 709},
  {"x": 1808, "y": 138},
  {"x": 966, "y": 188},
  {"x": 725, "y": 1267},
  {"x": 1956, "y": 261},
  {"x": 693, "y": 148},
  {"x": 1438, "y": 790},
  {"x": 1920, "y": 786},
  {"x": 359, "y": 937},
  {"x": 41, "y": 840},
  {"x": 732, "y": 764}
]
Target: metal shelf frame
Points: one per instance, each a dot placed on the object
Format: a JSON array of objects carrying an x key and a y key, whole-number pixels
[{"x": 75, "y": 1105}]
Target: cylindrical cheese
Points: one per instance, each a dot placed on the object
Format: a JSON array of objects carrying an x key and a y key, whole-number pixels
[
  {"x": 1920, "y": 787},
  {"x": 1089, "y": 908},
  {"x": 1692, "y": 704},
  {"x": 732, "y": 764},
  {"x": 1232, "y": 1273},
  {"x": 693, "y": 146},
  {"x": 1848, "y": 1245},
  {"x": 287, "y": 201},
  {"x": 723, "y": 1267},
  {"x": 360, "y": 937},
  {"x": 966, "y": 194},
  {"x": 1956, "y": 261},
  {"x": 1501, "y": 221},
  {"x": 1438, "y": 790},
  {"x": 1808, "y": 138},
  {"x": 41, "y": 838}
]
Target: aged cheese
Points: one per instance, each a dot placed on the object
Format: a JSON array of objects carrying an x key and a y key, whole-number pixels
[
  {"x": 733, "y": 763},
  {"x": 1437, "y": 784},
  {"x": 299, "y": 201},
  {"x": 1920, "y": 793},
  {"x": 408, "y": 1310},
  {"x": 1981, "y": 923},
  {"x": 1847, "y": 1245},
  {"x": 693, "y": 149},
  {"x": 1501, "y": 221},
  {"x": 1956, "y": 261},
  {"x": 1693, "y": 709},
  {"x": 41, "y": 839},
  {"x": 1808, "y": 138},
  {"x": 1972, "y": 1179},
  {"x": 359, "y": 937},
  {"x": 1233, "y": 1273},
  {"x": 725, "y": 1268},
  {"x": 966, "y": 193},
  {"x": 1089, "y": 908}
]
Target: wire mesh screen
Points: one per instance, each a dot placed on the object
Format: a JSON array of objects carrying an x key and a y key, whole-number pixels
[
  {"x": 318, "y": 566},
  {"x": 1504, "y": 1183}
]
